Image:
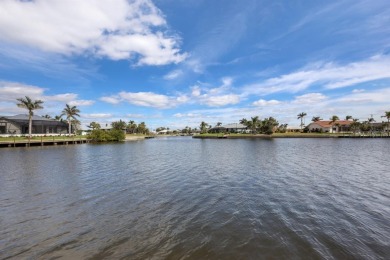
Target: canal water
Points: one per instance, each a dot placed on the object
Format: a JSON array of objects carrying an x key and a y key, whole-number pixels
[{"x": 184, "y": 198}]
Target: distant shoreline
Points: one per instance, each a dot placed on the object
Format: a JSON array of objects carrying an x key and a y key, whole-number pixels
[{"x": 263, "y": 136}]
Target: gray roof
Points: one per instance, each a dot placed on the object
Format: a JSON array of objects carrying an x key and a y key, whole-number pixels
[
  {"x": 25, "y": 117},
  {"x": 234, "y": 125}
]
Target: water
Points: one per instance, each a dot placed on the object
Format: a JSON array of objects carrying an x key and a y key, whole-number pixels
[{"x": 183, "y": 198}]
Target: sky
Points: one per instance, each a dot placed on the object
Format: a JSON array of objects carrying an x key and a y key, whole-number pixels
[{"x": 175, "y": 63}]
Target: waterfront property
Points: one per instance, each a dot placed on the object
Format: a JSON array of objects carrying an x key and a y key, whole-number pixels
[
  {"x": 328, "y": 126},
  {"x": 18, "y": 125},
  {"x": 230, "y": 128}
]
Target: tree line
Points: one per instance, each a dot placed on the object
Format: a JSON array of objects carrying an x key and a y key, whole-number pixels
[
  {"x": 255, "y": 125},
  {"x": 129, "y": 128},
  {"x": 117, "y": 132}
]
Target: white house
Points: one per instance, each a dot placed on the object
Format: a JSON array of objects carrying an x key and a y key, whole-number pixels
[{"x": 328, "y": 126}]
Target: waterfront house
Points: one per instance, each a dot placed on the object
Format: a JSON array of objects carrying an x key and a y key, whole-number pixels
[
  {"x": 18, "y": 125},
  {"x": 230, "y": 128},
  {"x": 328, "y": 126}
]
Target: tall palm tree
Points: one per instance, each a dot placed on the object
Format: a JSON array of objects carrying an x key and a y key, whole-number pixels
[
  {"x": 70, "y": 112},
  {"x": 333, "y": 120},
  {"x": 301, "y": 116},
  {"x": 348, "y": 118},
  {"x": 387, "y": 115},
  {"x": 30, "y": 105}
]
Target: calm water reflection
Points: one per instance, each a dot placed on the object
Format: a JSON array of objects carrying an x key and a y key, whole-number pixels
[{"x": 188, "y": 198}]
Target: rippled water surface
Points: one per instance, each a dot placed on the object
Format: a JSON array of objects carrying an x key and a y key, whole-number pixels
[{"x": 183, "y": 198}]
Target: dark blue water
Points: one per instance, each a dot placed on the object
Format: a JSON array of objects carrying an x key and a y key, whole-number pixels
[{"x": 184, "y": 198}]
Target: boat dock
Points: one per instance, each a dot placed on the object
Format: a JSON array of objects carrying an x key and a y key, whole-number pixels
[{"x": 42, "y": 142}]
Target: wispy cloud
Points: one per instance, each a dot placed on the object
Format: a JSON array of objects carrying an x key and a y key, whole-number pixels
[
  {"x": 310, "y": 98},
  {"x": 97, "y": 115},
  {"x": 328, "y": 76},
  {"x": 173, "y": 74}
]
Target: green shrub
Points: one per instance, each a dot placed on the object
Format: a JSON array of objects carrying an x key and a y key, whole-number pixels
[{"x": 114, "y": 135}]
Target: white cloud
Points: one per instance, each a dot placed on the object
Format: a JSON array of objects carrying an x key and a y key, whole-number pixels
[
  {"x": 97, "y": 115},
  {"x": 116, "y": 29},
  {"x": 227, "y": 81},
  {"x": 215, "y": 97},
  {"x": 173, "y": 75},
  {"x": 263, "y": 103},
  {"x": 135, "y": 115},
  {"x": 195, "y": 91},
  {"x": 372, "y": 97},
  {"x": 150, "y": 99},
  {"x": 10, "y": 91},
  {"x": 329, "y": 75},
  {"x": 67, "y": 97},
  {"x": 310, "y": 98},
  {"x": 190, "y": 115},
  {"x": 81, "y": 102},
  {"x": 223, "y": 100},
  {"x": 358, "y": 90},
  {"x": 112, "y": 100}
]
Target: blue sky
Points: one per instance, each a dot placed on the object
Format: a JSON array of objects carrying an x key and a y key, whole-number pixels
[{"x": 175, "y": 63}]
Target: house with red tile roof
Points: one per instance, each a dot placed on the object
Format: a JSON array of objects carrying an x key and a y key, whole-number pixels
[{"x": 328, "y": 126}]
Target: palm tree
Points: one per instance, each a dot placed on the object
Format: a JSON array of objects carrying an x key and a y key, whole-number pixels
[
  {"x": 131, "y": 127},
  {"x": 355, "y": 125},
  {"x": 387, "y": 115},
  {"x": 316, "y": 119},
  {"x": 333, "y": 120},
  {"x": 203, "y": 127},
  {"x": 370, "y": 121},
  {"x": 119, "y": 125},
  {"x": 30, "y": 105},
  {"x": 269, "y": 125},
  {"x": 219, "y": 124},
  {"x": 348, "y": 118},
  {"x": 94, "y": 125},
  {"x": 142, "y": 129},
  {"x": 254, "y": 123},
  {"x": 301, "y": 116},
  {"x": 70, "y": 112}
]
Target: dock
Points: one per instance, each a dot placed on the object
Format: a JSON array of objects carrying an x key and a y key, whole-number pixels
[{"x": 42, "y": 142}]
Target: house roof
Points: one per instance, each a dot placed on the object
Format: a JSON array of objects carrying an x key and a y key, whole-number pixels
[
  {"x": 25, "y": 117},
  {"x": 328, "y": 123},
  {"x": 234, "y": 125}
]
